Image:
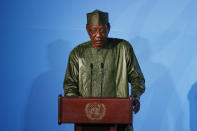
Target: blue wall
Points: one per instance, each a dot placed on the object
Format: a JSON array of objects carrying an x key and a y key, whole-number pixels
[{"x": 37, "y": 37}]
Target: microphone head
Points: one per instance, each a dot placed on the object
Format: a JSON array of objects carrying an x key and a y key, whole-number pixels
[
  {"x": 102, "y": 65},
  {"x": 91, "y": 66}
]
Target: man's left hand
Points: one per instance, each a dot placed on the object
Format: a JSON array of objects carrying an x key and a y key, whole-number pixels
[{"x": 136, "y": 104}]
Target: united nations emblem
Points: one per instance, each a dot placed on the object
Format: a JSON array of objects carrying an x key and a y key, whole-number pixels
[{"x": 95, "y": 111}]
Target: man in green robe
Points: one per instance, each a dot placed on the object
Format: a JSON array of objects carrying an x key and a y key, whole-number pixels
[{"x": 103, "y": 67}]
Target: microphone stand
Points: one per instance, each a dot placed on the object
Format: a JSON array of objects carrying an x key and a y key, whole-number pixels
[
  {"x": 102, "y": 75},
  {"x": 91, "y": 66}
]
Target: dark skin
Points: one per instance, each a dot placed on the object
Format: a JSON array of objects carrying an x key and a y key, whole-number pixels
[
  {"x": 98, "y": 35},
  {"x": 136, "y": 104}
]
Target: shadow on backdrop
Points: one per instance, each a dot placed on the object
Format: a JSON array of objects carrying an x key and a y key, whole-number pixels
[
  {"x": 158, "y": 108},
  {"x": 41, "y": 111},
  {"x": 192, "y": 97}
]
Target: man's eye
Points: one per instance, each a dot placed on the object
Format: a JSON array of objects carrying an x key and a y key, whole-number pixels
[
  {"x": 102, "y": 31},
  {"x": 93, "y": 31}
]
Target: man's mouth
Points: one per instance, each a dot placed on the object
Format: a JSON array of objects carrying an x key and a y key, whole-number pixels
[{"x": 99, "y": 41}]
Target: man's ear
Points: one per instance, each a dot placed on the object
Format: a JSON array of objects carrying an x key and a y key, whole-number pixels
[{"x": 108, "y": 27}]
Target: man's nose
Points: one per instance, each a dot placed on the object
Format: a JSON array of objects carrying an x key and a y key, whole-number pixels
[{"x": 98, "y": 34}]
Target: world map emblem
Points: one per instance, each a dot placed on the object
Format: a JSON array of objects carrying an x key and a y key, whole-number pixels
[{"x": 95, "y": 111}]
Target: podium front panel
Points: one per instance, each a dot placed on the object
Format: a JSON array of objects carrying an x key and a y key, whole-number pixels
[{"x": 94, "y": 110}]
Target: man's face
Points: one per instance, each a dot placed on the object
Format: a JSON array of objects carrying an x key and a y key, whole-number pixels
[{"x": 98, "y": 35}]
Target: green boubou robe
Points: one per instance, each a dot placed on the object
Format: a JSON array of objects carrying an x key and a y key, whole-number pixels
[{"x": 103, "y": 72}]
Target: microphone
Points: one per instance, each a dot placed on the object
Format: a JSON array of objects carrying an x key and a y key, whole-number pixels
[
  {"x": 102, "y": 76},
  {"x": 91, "y": 66}
]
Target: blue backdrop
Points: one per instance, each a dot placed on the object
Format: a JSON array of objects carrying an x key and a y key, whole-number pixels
[{"x": 37, "y": 37}]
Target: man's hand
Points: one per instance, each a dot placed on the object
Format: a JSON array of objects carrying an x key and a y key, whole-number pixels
[{"x": 136, "y": 104}]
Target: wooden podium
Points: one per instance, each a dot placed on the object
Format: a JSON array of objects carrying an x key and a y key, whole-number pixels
[{"x": 100, "y": 111}]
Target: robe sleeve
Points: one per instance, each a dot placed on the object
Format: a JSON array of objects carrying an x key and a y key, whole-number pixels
[
  {"x": 72, "y": 76},
  {"x": 135, "y": 76}
]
